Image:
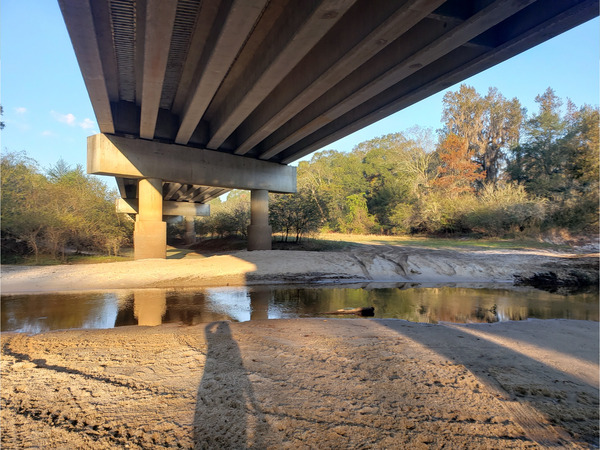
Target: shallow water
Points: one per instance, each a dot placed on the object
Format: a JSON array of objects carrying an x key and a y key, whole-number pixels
[{"x": 459, "y": 304}]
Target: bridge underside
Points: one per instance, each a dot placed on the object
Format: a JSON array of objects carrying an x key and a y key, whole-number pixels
[{"x": 270, "y": 81}]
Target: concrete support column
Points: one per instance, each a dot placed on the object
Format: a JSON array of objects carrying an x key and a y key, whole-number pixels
[
  {"x": 259, "y": 231},
  {"x": 150, "y": 232},
  {"x": 190, "y": 231}
]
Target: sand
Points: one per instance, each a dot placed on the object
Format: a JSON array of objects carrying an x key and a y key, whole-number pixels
[
  {"x": 302, "y": 383},
  {"x": 372, "y": 263}
]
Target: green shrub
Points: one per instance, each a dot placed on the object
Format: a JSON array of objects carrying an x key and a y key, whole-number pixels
[{"x": 505, "y": 208}]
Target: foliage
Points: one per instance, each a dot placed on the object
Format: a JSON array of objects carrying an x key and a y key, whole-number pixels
[
  {"x": 491, "y": 125},
  {"x": 505, "y": 208},
  {"x": 64, "y": 208},
  {"x": 438, "y": 213},
  {"x": 558, "y": 160},
  {"x": 356, "y": 216},
  {"x": 398, "y": 183},
  {"x": 493, "y": 171},
  {"x": 295, "y": 214},
  {"x": 540, "y": 162},
  {"x": 229, "y": 218},
  {"x": 457, "y": 172}
]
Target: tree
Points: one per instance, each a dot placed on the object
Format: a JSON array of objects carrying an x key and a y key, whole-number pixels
[
  {"x": 84, "y": 209},
  {"x": 540, "y": 162},
  {"x": 357, "y": 218},
  {"x": 1, "y": 114},
  {"x": 384, "y": 168},
  {"x": 64, "y": 208},
  {"x": 24, "y": 197},
  {"x": 559, "y": 161},
  {"x": 582, "y": 144},
  {"x": 296, "y": 214},
  {"x": 229, "y": 217},
  {"x": 332, "y": 176},
  {"x": 457, "y": 172},
  {"x": 490, "y": 124}
]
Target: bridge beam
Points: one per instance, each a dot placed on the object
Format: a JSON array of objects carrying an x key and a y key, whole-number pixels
[
  {"x": 139, "y": 158},
  {"x": 186, "y": 209}
]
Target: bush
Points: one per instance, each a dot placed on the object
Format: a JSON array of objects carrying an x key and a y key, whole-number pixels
[
  {"x": 505, "y": 208},
  {"x": 437, "y": 213},
  {"x": 230, "y": 218},
  {"x": 357, "y": 219}
]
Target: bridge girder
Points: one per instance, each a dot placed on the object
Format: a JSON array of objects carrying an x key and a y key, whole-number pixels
[{"x": 277, "y": 79}]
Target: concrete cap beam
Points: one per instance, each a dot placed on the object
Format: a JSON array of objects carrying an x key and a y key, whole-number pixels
[
  {"x": 136, "y": 158},
  {"x": 187, "y": 209}
]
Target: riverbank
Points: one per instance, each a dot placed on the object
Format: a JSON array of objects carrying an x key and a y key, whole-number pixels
[
  {"x": 377, "y": 263},
  {"x": 304, "y": 383}
]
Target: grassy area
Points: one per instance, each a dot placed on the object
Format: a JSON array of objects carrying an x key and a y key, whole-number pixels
[
  {"x": 47, "y": 260},
  {"x": 317, "y": 244},
  {"x": 329, "y": 242},
  {"x": 438, "y": 242}
]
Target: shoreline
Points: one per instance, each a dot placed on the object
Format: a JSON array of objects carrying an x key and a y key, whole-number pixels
[
  {"x": 373, "y": 263},
  {"x": 308, "y": 382}
]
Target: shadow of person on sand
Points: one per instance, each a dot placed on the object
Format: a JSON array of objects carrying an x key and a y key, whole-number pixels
[{"x": 227, "y": 414}]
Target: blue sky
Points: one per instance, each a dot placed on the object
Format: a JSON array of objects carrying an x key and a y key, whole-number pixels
[{"x": 48, "y": 114}]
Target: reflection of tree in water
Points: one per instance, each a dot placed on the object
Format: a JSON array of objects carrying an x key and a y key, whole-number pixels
[
  {"x": 227, "y": 414},
  {"x": 44, "y": 312}
]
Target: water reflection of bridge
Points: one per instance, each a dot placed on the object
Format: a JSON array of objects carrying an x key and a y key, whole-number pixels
[
  {"x": 45, "y": 312},
  {"x": 151, "y": 307}
]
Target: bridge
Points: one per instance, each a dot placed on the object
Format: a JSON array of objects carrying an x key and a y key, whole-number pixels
[{"x": 197, "y": 97}]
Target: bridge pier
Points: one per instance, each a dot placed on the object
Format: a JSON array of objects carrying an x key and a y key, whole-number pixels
[
  {"x": 190, "y": 231},
  {"x": 150, "y": 232},
  {"x": 155, "y": 163},
  {"x": 259, "y": 230}
]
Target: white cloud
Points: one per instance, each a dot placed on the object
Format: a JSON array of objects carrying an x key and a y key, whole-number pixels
[
  {"x": 69, "y": 118},
  {"x": 21, "y": 110},
  {"x": 86, "y": 124},
  {"x": 48, "y": 133}
]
